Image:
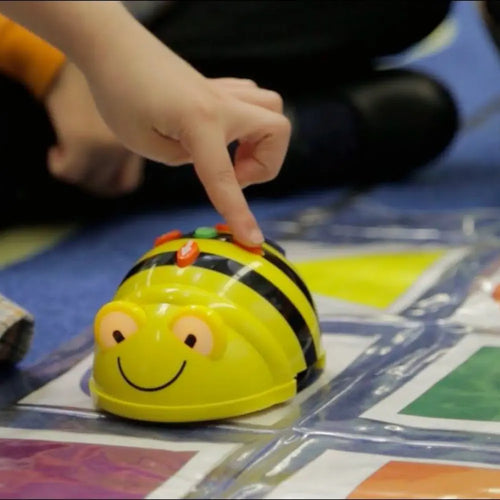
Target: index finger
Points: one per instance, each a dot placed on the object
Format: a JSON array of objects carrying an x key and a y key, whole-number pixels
[{"x": 213, "y": 166}]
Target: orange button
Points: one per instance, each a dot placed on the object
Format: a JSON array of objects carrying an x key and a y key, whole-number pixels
[
  {"x": 256, "y": 250},
  {"x": 222, "y": 228},
  {"x": 187, "y": 254},
  {"x": 496, "y": 293},
  {"x": 171, "y": 235}
]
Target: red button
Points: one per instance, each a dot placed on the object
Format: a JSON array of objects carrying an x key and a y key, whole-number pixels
[
  {"x": 222, "y": 228},
  {"x": 187, "y": 254},
  {"x": 256, "y": 250},
  {"x": 171, "y": 235}
]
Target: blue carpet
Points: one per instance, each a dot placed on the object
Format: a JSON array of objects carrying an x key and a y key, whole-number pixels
[{"x": 468, "y": 174}]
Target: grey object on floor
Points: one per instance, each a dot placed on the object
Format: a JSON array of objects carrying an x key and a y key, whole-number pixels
[{"x": 16, "y": 331}]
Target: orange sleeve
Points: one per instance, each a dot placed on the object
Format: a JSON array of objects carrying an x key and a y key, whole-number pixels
[{"x": 27, "y": 58}]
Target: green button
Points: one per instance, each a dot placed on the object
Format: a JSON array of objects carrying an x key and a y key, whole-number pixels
[{"x": 205, "y": 232}]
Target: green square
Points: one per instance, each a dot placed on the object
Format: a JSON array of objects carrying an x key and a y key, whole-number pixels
[{"x": 470, "y": 392}]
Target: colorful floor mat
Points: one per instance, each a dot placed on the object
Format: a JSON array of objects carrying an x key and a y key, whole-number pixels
[{"x": 405, "y": 278}]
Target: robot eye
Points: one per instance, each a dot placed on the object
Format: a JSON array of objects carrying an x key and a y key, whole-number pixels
[
  {"x": 113, "y": 328},
  {"x": 195, "y": 333}
]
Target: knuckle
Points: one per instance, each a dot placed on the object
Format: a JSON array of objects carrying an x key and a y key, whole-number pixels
[
  {"x": 273, "y": 174},
  {"x": 279, "y": 129},
  {"x": 275, "y": 99},
  {"x": 270, "y": 174},
  {"x": 278, "y": 125},
  {"x": 246, "y": 82},
  {"x": 205, "y": 112},
  {"x": 224, "y": 177},
  {"x": 65, "y": 172},
  {"x": 285, "y": 125}
]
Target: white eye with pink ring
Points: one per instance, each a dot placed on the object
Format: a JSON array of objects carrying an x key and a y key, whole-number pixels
[
  {"x": 115, "y": 327},
  {"x": 195, "y": 333}
]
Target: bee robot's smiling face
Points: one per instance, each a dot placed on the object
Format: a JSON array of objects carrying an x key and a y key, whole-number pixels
[{"x": 203, "y": 340}]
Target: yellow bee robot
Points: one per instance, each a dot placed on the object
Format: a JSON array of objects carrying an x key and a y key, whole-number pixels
[{"x": 202, "y": 328}]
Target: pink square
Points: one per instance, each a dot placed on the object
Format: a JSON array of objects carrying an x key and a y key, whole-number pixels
[{"x": 49, "y": 469}]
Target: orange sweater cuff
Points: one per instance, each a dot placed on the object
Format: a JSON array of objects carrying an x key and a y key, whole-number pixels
[{"x": 27, "y": 58}]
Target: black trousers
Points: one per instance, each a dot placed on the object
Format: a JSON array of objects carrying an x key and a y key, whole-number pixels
[
  {"x": 294, "y": 46},
  {"x": 304, "y": 50}
]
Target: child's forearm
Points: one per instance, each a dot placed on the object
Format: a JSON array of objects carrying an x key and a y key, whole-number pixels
[{"x": 79, "y": 29}]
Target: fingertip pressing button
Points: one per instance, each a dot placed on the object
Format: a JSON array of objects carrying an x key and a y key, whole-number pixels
[
  {"x": 256, "y": 250},
  {"x": 171, "y": 235}
]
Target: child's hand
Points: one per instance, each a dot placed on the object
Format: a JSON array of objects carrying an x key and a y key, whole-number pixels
[
  {"x": 162, "y": 108},
  {"x": 87, "y": 153}
]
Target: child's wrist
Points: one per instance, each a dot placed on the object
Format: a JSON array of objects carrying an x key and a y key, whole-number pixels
[{"x": 105, "y": 43}]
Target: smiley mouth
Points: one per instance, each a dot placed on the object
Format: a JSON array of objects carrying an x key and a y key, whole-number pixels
[{"x": 151, "y": 389}]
